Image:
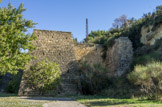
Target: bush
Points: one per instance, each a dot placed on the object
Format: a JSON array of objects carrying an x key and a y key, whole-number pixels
[
  {"x": 149, "y": 78},
  {"x": 44, "y": 76},
  {"x": 14, "y": 83},
  {"x": 148, "y": 57},
  {"x": 93, "y": 79}
]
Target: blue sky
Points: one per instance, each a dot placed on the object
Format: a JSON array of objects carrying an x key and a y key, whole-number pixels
[{"x": 70, "y": 15}]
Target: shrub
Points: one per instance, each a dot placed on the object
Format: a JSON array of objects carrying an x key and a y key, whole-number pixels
[
  {"x": 149, "y": 78},
  {"x": 13, "y": 85},
  {"x": 148, "y": 57},
  {"x": 45, "y": 75},
  {"x": 93, "y": 79}
]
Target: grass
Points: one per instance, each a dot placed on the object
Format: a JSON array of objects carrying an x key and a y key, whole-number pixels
[
  {"x": 8, "y": 94},
  {"x": 100, "y": 101},
  {"x": 12, "y": 100}
]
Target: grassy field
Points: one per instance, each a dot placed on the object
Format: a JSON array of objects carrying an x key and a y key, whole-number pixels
[
  {"x": 11, "y": 100},
  {"x": 96, "y": 101}
]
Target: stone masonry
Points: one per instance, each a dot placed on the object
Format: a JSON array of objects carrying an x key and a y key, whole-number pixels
[
  {"x": 56, "y": 46},
  {"x": 59, "y": 47},
  {"x": 89, "y": 53},
  {"x": 119, "y": 56}
]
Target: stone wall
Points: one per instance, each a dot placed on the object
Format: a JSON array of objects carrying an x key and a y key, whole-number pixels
[
  {"x": 119, "y": 56},
  {"x": 90, "y": 53},
  {"x": 59, "y": 47},
  {"x": 56, "y": 46}
]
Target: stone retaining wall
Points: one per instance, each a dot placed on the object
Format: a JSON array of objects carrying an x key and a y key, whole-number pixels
[
  {"x": 59, "y": 47},
  {"x": 119, "y": 56},
  {"x": 89, "y": 53},
  {"x": 56, "y": 46}
]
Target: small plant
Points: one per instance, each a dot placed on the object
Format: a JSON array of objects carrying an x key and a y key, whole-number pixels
[
  {"x": 149, "y": 78},
  {"x": 44, "y": 76}
]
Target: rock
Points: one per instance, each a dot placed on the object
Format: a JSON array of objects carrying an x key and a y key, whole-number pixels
[
  {"x": 149, "y": 36},
  {"x": 119, "y": 56}
]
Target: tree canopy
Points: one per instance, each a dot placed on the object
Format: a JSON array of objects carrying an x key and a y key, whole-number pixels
[{"x": 14, "y": 39}]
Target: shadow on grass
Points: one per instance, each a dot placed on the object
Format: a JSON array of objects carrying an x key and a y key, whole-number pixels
[
  {"x": 150, "y": 101},
  {"x": 46, "y": 98},
  {"x": 105, "y": 101},
  {"x": 8, "y": 94}
]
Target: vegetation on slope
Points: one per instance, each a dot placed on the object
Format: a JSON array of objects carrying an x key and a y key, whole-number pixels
[
  {"x": 130, "y": 28},
  {"x": 144, "y": 72},
  {"x": 145, "y": 56}
]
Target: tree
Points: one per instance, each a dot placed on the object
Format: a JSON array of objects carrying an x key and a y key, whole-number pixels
[
  {"x": 121, "y": 22},
  {"x": 159, "y": 10},
  {"x": 14, "y": 39}
]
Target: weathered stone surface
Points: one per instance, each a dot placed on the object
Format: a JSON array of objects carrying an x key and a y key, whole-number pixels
[
  {"x": 89, "y": 53},
  {"x": 59, "y": 47},
  {"x": 149, "y": 36},
  {"x": 56, "y": 46},
  {"x": 119, "y": 56}
]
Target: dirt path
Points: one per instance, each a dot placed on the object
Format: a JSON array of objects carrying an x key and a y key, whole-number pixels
[
  {"x": 64, "y": 104},
  {"x": 55, "y": 102}
]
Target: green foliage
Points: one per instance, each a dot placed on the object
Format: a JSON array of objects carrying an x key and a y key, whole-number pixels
[
  {"x": 75, "y": 40},
  {"x": 13, "y": 39},
  {"x": 44, "y": 76},
  {"x": 130, "y": 28},
  {"x": 93, "y": 79},
  {"x": 148, "y": 77},
  {"x": 96, "y": 37},
  {"x": 159, "y": 10},
  {"x": 105, "y": 38},
  {"x": 147, "y": 54},
  {"x": 13, "y": 85},
  {"x": 147, "y": 58}
]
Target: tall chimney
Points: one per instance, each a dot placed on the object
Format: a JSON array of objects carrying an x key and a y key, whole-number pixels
[{"x": 86, "y": 27}]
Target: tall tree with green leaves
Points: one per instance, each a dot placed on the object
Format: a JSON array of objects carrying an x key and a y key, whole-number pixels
[{"x": 14, "y": 39}]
